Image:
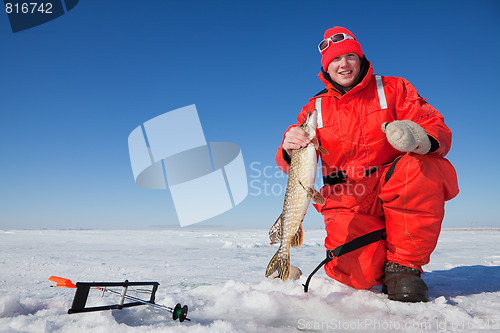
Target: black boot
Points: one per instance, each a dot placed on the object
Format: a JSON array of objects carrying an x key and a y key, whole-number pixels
[{"x": 404, "y": 284}]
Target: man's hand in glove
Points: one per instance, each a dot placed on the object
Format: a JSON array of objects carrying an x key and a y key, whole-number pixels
[{"x": 407, "y": 136}]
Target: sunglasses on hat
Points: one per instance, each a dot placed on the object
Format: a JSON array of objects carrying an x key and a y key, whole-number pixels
[{"x": 325, "y": 43}]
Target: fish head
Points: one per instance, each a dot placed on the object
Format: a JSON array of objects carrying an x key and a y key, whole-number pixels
[{"x": 309, "y": 125}]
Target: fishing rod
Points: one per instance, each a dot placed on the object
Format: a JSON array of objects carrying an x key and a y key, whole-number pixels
[{"x": 83, "y": 288}]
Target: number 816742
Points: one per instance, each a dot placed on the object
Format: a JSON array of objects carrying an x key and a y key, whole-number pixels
[{"x": 28, "y": 8}]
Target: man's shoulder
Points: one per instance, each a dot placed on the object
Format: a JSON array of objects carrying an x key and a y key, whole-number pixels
[
  {"x": 389, "y": 78},
  {"x": 322, "y": 92}
]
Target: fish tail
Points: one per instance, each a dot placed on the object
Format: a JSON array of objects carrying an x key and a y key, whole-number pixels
[{"x": 281, "y": 263}]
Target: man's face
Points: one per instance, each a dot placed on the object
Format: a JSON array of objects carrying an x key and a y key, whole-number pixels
[{"x": 345, "y": 69}]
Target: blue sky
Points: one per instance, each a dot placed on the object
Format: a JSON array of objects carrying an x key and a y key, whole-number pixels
[{"x": 74, "y": 88}]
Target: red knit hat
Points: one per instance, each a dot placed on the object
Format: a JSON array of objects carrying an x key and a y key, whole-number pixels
[{"x": 337, "y": 49}]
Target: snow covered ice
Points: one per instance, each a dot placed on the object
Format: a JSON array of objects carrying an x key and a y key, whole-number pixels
[{"x": 220, "y": 276}]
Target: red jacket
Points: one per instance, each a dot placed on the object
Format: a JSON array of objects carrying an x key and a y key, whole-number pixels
[{"x": 351, "y": 123}]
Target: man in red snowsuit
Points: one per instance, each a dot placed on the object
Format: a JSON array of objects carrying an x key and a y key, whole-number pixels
[{"x": 386, "y": 178}]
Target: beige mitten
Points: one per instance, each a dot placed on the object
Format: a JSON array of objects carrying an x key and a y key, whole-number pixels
[{"x": 407, "y": 136}]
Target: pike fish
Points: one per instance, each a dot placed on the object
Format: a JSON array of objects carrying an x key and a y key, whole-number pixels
[{"x": 299, "y": 190}]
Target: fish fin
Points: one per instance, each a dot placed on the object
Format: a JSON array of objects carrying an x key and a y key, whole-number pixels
[
  {"x": 323, "y": 150},
  {"x": 309, "y": 192},
  {"x": 298, "y": 237},
  {"x": 313, "y": 194},
  {"x": 319, "y": 148},
  {"x": 275, "y": 231},
  {"x": 281, "y": 263},
  {"x": 317, "y": 197}
]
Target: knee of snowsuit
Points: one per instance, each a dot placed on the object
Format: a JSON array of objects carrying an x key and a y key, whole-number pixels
[{"x": 406, "y": 197}]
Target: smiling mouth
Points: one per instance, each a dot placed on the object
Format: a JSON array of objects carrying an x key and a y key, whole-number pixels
[{"x": 346, "y": 73}]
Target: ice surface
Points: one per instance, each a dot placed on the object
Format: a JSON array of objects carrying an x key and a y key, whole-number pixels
[{"x": 220, "y": 276}]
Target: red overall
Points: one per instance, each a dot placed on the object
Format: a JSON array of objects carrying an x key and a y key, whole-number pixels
[{"x": 379, "y": 187}]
